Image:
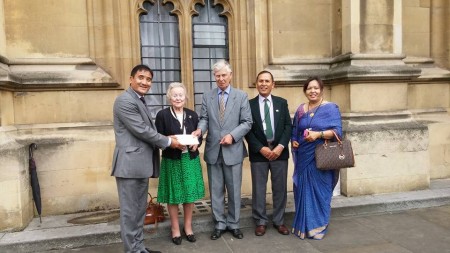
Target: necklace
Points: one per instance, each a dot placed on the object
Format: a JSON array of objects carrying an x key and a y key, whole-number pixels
[
  {"x": 312, "y": 113},
  {"x": 183, "y": 118}
]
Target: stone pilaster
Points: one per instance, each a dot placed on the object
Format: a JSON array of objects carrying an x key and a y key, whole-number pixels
[{"x": 370, "y": 83}]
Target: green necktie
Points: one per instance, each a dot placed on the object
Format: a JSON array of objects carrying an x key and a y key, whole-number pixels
[{"x": 269, "y": 131}]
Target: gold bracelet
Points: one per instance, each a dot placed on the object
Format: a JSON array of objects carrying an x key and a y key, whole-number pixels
[{"x": 321, "y": 135}]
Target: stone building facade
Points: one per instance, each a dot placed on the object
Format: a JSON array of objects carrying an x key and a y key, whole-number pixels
[{"x": 385, "y": 63}]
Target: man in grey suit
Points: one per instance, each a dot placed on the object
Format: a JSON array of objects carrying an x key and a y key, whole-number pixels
[
  {"x": 134, "y": 157},
  {"x": 268, "y": 147},
  {"x": 226, "y": 116}
]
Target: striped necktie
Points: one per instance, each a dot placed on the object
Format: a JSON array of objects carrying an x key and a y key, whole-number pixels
[{"x": 222, "y": 106}]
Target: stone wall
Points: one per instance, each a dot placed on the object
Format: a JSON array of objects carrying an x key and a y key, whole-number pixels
[{"x": 385, "y": 63}]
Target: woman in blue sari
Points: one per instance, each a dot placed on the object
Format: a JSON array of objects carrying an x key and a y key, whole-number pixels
[{"x": 314, "y": 122}]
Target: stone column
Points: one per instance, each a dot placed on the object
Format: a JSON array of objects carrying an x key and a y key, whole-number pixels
[
  {"x": 370, "y": 83},
  {"x": 16, "y": 208},
  {"x": 5, "y": 97}
]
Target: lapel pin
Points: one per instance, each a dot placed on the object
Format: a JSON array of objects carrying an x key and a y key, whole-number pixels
[{"x": 276, "y": 110}]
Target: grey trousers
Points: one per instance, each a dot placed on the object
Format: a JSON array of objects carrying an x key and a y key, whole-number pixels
[
  {"x": 221, "y": 176},
  {"x": 133, "y": 205},
  {"x": 278, "y": 174}
]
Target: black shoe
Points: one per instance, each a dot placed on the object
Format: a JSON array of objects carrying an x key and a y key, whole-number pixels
[
  {"x": 237, "y": 233},
  {"x": 177, "y": 240},
  {"x": 190, "y": 237},
  {"x": 217, "y": 234},
  {"x": 150, "y": 251}
]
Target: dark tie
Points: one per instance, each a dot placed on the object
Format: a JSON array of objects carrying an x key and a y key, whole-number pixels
[
  {"x": 143, "y": 100},
  {"x": 269, "y": 131},
  {"x": 222, "y": 106}
]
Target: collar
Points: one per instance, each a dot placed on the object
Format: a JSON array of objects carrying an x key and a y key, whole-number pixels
[
  {"x": 139, "y": 96},
  {"x": 227, "y": 90},
  {"x": 261, "y": 98}
]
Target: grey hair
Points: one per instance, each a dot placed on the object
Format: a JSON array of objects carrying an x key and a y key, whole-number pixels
[
  {"x": 221, "y": 64},
  {"x": 175, "y": 85}
]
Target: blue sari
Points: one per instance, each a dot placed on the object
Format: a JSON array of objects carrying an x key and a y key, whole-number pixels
[{"x": 313, "y": 188}]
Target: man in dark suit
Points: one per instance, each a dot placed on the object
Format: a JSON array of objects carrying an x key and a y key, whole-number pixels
[
  {"x": 133, "y": 159},
  {"x": 268, "y": 151},
  {"x": 226, "y": 116}
]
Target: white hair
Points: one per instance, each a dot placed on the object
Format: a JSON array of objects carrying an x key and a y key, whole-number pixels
[
  {"x": 173, "y": 86},
  {"x": 221, "y": 64}
]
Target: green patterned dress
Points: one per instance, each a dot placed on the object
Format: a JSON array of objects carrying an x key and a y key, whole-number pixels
[{"x": 180, "y": 181}]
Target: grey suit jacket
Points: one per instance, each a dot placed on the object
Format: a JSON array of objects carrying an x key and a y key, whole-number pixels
[
  {"x": 136, "y": 138},
  {"x": 237, "y": 122}
]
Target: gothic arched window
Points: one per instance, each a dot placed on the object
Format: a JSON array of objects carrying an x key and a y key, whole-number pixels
[
  {"x": 160, "y": 50},
  {"x": 210, "y": 43},
  {"x": 186, "y": 57}
]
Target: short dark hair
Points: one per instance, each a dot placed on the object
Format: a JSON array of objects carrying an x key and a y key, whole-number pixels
[
  {"x": 312, "y": 78},
  {"x": 264, "y": 72},
  {"x": 139, "y": 68}
]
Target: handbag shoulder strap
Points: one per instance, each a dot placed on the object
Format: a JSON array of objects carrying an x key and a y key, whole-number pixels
[{"x": 336, "y": 136}]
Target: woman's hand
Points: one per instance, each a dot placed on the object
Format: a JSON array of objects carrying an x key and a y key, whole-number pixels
[
  {"x": 193, "y": 147},
  {"x": 312, "y": 136},
  {"x": 294, "y": 144}
]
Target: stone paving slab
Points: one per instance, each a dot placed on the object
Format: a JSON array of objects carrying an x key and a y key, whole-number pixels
[
  {"x": 56, "y": 233},
  {"x": 391, "y": 232}
]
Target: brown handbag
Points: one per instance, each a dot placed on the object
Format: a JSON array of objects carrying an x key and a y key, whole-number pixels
[
  {"x": 335, "y": 155},
  {"x": 154, "y": 213}
]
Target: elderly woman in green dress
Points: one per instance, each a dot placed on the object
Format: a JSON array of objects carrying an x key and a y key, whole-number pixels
[{"x": 181, "y": 179}]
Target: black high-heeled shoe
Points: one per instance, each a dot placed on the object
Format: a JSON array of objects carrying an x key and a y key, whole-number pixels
[
  {"x": 190, "y": 237},
  {"x": 177, "y": 240}
]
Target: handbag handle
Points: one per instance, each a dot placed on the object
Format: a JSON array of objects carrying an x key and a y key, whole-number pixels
[
  {"x": 151, "y": 197},
  {"x": 335, "y": 136}
]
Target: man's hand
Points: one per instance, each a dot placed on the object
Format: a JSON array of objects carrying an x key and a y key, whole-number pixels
[
  {"x": 176, "y": 144},
  {"x": 271, "y": 155},
  {"x": 276, "y": 152},
  {"x": 266, "y": 152},
  {"x": 226, "y": 140},
  {"x": 197, "y": 133}
]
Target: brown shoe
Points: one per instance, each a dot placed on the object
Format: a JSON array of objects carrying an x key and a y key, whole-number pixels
[
  {"x": 260, "y": 230},
  {"x": 282, "y": 229}
]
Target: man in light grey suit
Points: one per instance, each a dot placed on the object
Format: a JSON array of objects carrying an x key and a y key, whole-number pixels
[
  {"x": 133, "y": 159},
  {"x": 225, "y": 149}
]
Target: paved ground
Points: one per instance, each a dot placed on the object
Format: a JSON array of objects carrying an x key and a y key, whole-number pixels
[
  {"x": 419, "y": 230},
  {"x": 417, "y": 221}
]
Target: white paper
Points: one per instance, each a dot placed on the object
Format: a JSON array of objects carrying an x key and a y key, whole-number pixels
[{"x": 187, "y": 139}]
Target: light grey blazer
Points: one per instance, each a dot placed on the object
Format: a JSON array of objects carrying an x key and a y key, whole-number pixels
[
  {"x": 136, "y": 138},
  {"x": 237, "y": 122}
]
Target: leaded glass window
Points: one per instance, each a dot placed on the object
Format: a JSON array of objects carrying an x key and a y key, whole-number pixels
[
  {"x": 210, "y": 44},
  {"x": 160, "y": 50}
]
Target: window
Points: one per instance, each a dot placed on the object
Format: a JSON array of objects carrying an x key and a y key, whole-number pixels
[
  {"x": 163, "y": 49},
  {"x": 160, "y": 50},
  {"x": 210, "y": 43}
]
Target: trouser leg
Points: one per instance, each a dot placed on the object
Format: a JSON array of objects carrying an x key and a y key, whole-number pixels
[{"x": 260, "y": 172}]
